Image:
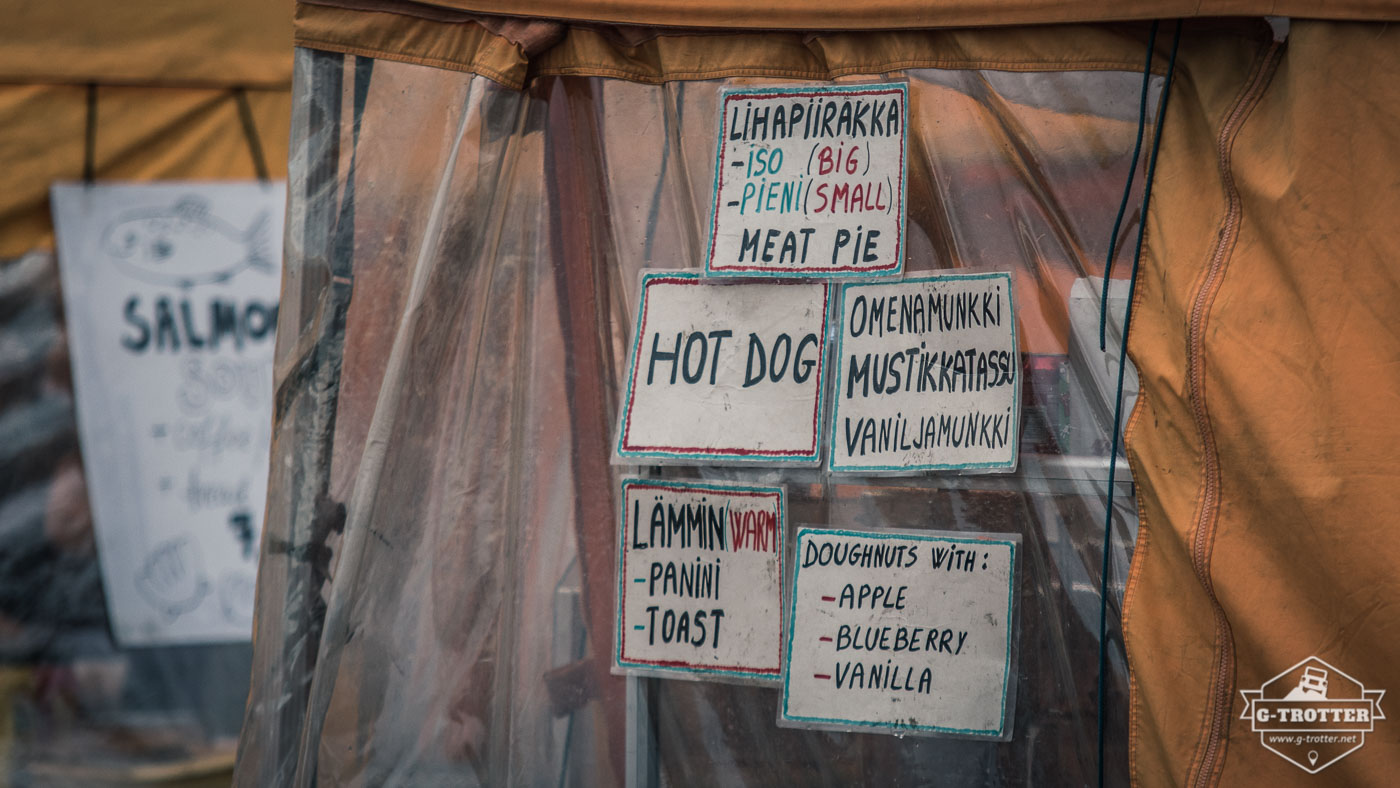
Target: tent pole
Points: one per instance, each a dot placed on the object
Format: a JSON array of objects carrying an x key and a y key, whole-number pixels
[{"x": 582, "y": 249}]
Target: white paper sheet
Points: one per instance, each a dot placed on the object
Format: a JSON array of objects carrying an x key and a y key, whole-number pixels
[
  {"x": 699, "y": 578},
  {"x": 725, "y": 372},
  {"x": 810, "y": 181},
  {"x": 928, "y": 376},
  {"x": 170, "y": 293},
  {"x": 902, "y": 632}
]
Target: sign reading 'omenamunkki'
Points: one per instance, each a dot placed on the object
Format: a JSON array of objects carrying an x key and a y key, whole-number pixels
[
  {"x": 810, "y": 181},
  {"x": 901, "y": 632},
  {"x": 699, "y": 579},
  {"x": 725, "y": 372},
  {"x": 928, "y": 376}
]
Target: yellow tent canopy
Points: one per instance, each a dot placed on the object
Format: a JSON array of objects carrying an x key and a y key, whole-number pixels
[{"x": 165, "y": 76}]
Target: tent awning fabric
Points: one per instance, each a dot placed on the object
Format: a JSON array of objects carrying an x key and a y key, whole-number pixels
[
  {"x": 654, "y": 42},
  {"x": 142, "y": 133},
  {"x": 731, "y": 15},
  {"x": 1264, "y": 444},
  {"x": 512, "y": 52},
  {"x": 205, "y": 43},
  {"x": 164, "y": 75},
  {"x": 1264, "y": 440}
]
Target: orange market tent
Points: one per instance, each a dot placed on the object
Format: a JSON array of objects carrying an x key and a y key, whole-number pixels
[
  {"x": 473, "y": 198},
  {"x": 135, "y": 92},
  {"x": 166, "y": 78}
]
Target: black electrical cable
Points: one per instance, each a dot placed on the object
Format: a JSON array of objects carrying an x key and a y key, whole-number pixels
[
  {"x": 1127, "y": 187},
  {"x": 250, "y": 132},
  {"x": 90, "y": 137},
  {"x": 1118, "y": 400}
]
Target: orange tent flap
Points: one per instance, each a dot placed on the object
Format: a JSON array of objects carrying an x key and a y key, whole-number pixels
[
  {"x": 1264, "y": 441},
  {"x": 512, "y": 51},
  {"x": 898, "y": 14}
]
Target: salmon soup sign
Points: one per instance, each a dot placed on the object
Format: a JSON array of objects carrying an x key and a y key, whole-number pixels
[{"x": 171, "y": 296}]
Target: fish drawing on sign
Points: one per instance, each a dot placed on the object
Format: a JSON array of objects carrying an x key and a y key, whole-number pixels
[
  {"x": 186, "y": 244},
  {"x": 172, "y": 578}
]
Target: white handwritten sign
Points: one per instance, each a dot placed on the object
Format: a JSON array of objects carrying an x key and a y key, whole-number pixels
[
  {"x": 809, "y": 181},
  {"x": 901, "y": 632},
  {"x": 928, "y": 376},
  {"x": 699, "y": 575},
  {"x": 728, "y": 372},
  {"x": 171, "y": 301}
]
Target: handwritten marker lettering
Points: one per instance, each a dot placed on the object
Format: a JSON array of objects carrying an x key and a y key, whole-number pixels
[
  {"x": 725, "y": 372},
  {"x": 928, "y": 376},
  {"x": 705, "y": 563},
  {"x": 815, "y": 181},
  {"x": 901, "y": 631},
  {"x": 171, "y": 292}
]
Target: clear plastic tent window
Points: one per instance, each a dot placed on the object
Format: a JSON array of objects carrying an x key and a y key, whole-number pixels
[{"x": 436, "y": 596}]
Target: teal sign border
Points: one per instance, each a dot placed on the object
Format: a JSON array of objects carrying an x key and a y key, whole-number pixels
[
  {"x": 1000, "y": 730},
  {"x": 719, "y": 488},
  {"x": 840, "y": 322}
]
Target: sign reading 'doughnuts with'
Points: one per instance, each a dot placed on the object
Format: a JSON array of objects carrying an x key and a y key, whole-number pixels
[
  {"x": 698, "y": 580},
  {"x": 928, "y": 376},
  {"x": 727, "y": 372},
  {"x": 809, "y": 181},
  {"x": 901, "y": 632}
]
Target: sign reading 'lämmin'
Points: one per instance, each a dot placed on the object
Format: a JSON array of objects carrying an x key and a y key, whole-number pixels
[{"x": 699, "y": 575}]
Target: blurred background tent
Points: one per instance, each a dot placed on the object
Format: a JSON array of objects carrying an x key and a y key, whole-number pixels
[
  {"x": 137, "y": 91},
  {"x": 167, "y": 77},
  {"x": 471, "y": 200}
]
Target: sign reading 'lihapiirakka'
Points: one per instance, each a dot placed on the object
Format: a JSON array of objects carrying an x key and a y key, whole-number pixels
[
  {"x": 928, "y": 376},
  {"x": 699, "y": 575},
  {"x": 810, "y": 181},
  {"x": 901, "y": 632},
  {"x": 728, "y": 372}
]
